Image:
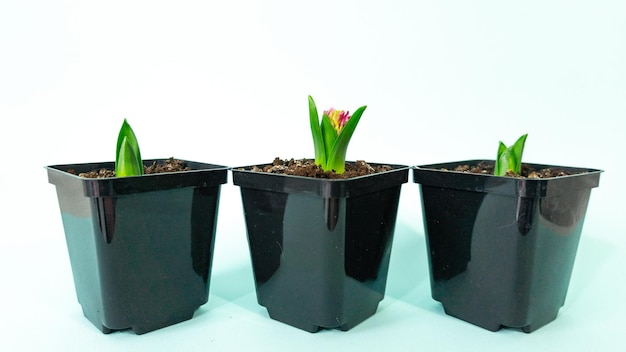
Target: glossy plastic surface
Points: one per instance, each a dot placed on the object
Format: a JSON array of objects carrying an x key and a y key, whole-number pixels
[
  {"x": 320, "y": 249},
  {"x": 141, "y": 247},
  {"x": 501, "y": 250}
]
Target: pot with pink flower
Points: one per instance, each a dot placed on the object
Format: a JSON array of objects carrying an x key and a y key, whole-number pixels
[{"x": 320, "y": 230}]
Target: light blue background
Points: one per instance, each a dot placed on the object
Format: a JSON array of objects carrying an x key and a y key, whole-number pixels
[{"x": 226, "y": 83}]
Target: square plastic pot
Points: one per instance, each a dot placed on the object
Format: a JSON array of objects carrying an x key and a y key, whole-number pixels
[
  {"x": 140, "y": 247},
  {"x": 320, "y": 248},
  {"x": 501, "y": 249}
]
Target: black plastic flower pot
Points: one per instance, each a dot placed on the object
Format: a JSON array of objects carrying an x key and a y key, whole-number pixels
[
  {"x": 320, "y": 248},
  {"x": 140, "y": 247},
  {"x": 501, "y": 249}
]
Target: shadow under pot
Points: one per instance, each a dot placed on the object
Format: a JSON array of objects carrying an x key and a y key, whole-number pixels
[
  {"x": 501, "y": 249},
  {"x": 320, "y": 248},
  {"x": 140, "y": 247}
]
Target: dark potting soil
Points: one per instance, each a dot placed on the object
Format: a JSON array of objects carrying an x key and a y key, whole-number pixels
[
  {"x": 527, "y": 171},
  {"x": 169, "y": 165},
  {"x": 308, "y": 168}
]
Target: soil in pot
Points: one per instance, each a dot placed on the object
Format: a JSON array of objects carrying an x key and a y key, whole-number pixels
[
  {"x": 168, "y": 165},
  {"x": 527, "y": 171},
  {"x": 308, "y": 168}
]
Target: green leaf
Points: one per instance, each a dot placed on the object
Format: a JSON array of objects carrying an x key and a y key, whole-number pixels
[
  {"x": 126, "y": 145},
  {"x": 518, "y": 150},
  {"x": 318, "y": 141},
  {"x": 337, "y": 156},
  {"x": 510, "y": 159},
  {"x": 329, "y": 135},
  {"x": 127, "y": 163},
  {"x": 499, "y": 168}
]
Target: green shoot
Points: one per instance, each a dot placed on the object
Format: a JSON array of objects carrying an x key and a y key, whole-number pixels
[
  {"x": 128, "y": 160},
  {"x": 510, "y": 159},
  {"x": 332, "y": 135}
]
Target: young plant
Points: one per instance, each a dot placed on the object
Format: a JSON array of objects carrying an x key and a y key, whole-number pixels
[
  {"x": 510, "y": 159},
  {"x": 128, "y": 157},
  {"x": 332, "y": 135}
]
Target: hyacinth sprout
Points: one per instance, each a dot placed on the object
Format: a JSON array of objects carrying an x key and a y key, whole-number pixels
[
  {"x": 128, "y": 157},
  {"x": 332, "y": 135},
  {"x": 510, "y": 158}
]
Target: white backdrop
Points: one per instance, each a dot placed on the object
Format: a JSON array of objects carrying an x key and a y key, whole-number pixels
[{"x": 227, "y": 83}]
